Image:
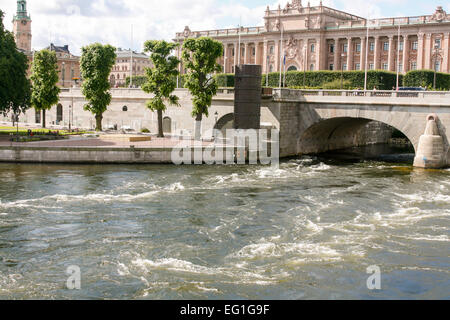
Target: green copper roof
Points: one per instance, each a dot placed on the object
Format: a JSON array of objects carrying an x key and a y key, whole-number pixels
[{"x": 21, "y": 10}]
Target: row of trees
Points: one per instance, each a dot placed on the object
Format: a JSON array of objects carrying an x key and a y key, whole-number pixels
[{"x": 17, "y": 93}]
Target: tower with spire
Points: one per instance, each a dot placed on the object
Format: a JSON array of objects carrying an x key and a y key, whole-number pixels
[{"x": 22, "y": 27}]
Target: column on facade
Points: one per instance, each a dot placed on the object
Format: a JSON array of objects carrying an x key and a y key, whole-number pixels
[
  {"x": 257, "y": 53},
  {"x": 428, "y": 51},
  {"x": 264, "y": 59},
  {"x": 236, "y": 48},
  {"x": 446, "y": 46},
  {"x": 376, "y": 54},
  {"x": 391, "y": 54},
  {"x": 349, "y": 54},
  {"x": 421, "y": 40},
  {"x": 337, "y": 55},
  {"x": 321, "y": 53},
  {"x": 406, "y": 49},
  {"x": 277, "y": 55},
  {"x": 362, "y": 55},
  {"x": 225, "y": 58},
  {"x": 246, "y": 53}
]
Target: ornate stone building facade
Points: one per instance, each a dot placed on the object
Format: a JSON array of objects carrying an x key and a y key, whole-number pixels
[
  {"x": 322, "y": 38},
  {"x": 122, "y": 69}
]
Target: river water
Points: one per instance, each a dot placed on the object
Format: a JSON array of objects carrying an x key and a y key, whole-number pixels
[{"x": 307, "y": 230}]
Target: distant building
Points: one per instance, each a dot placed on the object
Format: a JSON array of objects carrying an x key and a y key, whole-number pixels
[
  {"x": 322, "y": 38},
  {"x": 22, "y": 28},
  {"x": 122, "y": 69},
  {"x": 68, "y": 66}
]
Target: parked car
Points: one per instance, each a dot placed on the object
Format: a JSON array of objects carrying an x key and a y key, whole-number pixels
[{"x": 412, "y": 89}]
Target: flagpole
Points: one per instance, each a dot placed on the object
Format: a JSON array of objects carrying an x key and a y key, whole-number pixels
[
  {"x": 367, "y": 54},
  {"x": 131, "y": 69},
  {"x": 398, "y": 57},
  {"x": 239, "y": 45},
  {"x": 281, "y": 53}
]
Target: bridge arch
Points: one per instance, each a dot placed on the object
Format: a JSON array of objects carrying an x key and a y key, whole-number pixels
[
  {"x": 225, "y": 122},
  {"x": 331, "y": 127},
  {"x": 344, "y": 132}
]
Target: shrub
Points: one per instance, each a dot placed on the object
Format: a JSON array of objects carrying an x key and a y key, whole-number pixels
[
  {"x": 425, "y": 79},
  {"x": 338, "y": 84},
  {"x": 145, "y": 130}
]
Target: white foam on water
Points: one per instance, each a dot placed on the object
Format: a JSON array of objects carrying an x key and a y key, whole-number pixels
[
  {"x": 175, "y": 187},
  {"x": 421, "y": 237}
]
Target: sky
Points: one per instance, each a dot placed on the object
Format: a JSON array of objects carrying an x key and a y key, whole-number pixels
[{"x": 81, "y": 22}]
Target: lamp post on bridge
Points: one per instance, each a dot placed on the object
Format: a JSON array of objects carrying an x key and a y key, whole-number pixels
[{"x": 436, "y": 56}]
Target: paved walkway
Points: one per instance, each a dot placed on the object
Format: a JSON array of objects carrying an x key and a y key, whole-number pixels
[{"x": 75, "y": 142}]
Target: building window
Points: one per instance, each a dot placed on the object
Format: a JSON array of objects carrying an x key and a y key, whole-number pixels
[
  {"x": 400, "y": 67},
  {"x": 344, "y": 67},
  {"x": 372, "y": 46},
  {"x": 345, "y": 48},
  {"x": 413, "y": 65},
  {"x": 415, "y": 45},
  {"x": 371, "y": 66},
  {"x": 253, "y": 51},
  {"x": 331, "y": 66},
  {"x": 437, "y": 43},
  {"x": 242, "y": 52},
  {"x": 385, "y": 66},
  {"x": 232, "y": 69},
  {"x": 232, "y": 52},
  {"x": 124, "y": 108},
  {"x": 386, "y": 46},
  {"x": 311, "y": 67},
  {"x": 358, "y": 47},
  {"x": 401, "y": 46},
  {"x": 313, "y": 48},
  {"x": 357, "y": 66},
  {"x": 271, "y": 68},
  {"x": 271, "y": 50},
  {"x": 331, "y": 48}
]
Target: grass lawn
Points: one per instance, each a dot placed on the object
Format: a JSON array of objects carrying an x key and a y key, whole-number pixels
[{"x": 24, "y": 131}]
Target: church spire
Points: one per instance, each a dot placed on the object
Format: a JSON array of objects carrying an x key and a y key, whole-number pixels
[{"x": 22, "y": 10}]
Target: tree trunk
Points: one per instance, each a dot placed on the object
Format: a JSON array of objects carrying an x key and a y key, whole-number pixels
[
  {"x": 198, "y": 127},
  {"x": 43, "y": 118},
  {"x": 160, "y": 124},
  {"x": 98, "y": 120}
]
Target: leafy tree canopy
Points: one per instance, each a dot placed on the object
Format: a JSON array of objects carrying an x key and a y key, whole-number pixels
[
  {"x": 160, "y": 78},
  {"x": 15, "y": 88},
  {"x": 200, "y": 58},
  {"x": 44, "y": 76},
  {"x": 96, "y": 63}
]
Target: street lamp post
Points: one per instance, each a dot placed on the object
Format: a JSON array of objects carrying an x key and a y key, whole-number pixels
[
  {"x": 342, "y": 71},
  {"x": 436, "y": 55},
  {"x": 63, "y": 72}
]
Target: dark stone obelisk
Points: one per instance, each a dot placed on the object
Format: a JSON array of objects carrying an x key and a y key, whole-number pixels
[{"x": 247, "y": 97}]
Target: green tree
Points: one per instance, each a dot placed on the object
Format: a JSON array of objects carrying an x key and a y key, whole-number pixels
[
  {"x": 200, "y": 59},
  {"x": 96, "y": 63},
  {"x": 44, "y": 76},
  {"x": 161, "y": 78},
  {"x": 15, "y": 88}
]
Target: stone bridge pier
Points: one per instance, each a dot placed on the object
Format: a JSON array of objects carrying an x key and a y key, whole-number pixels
[{"x": 318, "y": 121}]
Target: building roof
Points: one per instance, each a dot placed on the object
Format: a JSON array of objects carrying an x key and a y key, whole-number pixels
[{"x": 121, "y": 53}]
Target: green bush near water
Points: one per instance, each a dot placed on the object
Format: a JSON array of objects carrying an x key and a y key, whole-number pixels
[{"x": 425, "y": 79}]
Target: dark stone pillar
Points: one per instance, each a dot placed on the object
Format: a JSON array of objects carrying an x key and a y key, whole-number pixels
[{"x": 247, "y": 97}]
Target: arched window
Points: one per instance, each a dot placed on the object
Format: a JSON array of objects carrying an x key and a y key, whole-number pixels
[
  {"x": 59, "y": 113},
  {"x": 271, "y": 68},
  {"x": 311, "y": 67},
  {"x": 292, "y": 68},
  {"x": 124, "y": 108}
]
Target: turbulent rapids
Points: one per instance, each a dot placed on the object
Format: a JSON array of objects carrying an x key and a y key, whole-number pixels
[{"x": 307, "y": 230}]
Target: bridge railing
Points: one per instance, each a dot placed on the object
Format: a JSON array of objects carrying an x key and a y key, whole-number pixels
[{"x": 298, "y": 93}]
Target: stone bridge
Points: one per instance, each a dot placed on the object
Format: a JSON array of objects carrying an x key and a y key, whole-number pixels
[{"x": 310, "y": 121}]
